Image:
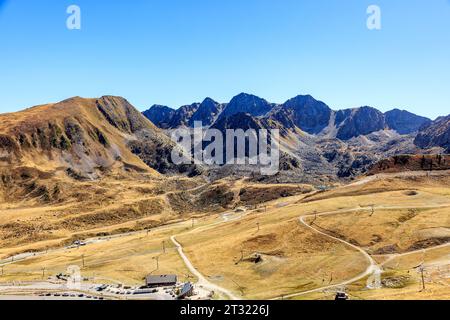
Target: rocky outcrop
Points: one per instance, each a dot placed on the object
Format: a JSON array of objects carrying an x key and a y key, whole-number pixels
[
  {"x": 435, "y": 134},
  {"x": 404, "y": 122},
  {"x": 207, "y": 112},
  {"x": 303, "y": 112},
  {"x": 361, "y": 121},
  {"x": 160, "y": 115},
  {"x": 183, "y": 115},
  {"x": 315, "y": 139},
  {"x": 247, "y": 103},
  {"x": 402, "y": 163}
]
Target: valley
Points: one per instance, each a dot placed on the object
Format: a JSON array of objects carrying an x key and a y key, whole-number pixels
[
  {"x": 224, "y": 159},
  {"x": 89, "y": 185},
  {"x": 289, "y": 248}
]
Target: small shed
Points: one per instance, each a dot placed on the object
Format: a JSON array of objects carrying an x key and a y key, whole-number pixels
[{"x": 152, "y": 281}]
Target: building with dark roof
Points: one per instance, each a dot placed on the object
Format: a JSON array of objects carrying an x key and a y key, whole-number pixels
[
  {"x": 152, "y": 281},
  {"x": 186, "y": 291}
]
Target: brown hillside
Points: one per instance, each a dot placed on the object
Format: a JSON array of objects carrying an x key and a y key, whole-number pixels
[
  {"x": 86, "y": 138},
  {"x": 82, "y": 136}
]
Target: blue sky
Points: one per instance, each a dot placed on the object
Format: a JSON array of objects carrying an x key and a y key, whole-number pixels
[{"x": 176, "y": 52}]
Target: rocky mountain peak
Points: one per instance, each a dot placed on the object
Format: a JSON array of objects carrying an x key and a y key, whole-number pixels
[
  {"x": 160, "y": 115},
  {"x": 306, "y": 113},
  {"x": 207, "y": 112},
  {"x": 359, "y": 121},
  {"x": 247, "y": 103},
  {"x": 435, "y": 134},
  {"x": 404, "y": 122},
  {"x": 302, "y": 112}
]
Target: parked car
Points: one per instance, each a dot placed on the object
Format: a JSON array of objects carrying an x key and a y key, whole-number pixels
[{"x": 101, "y": 288}]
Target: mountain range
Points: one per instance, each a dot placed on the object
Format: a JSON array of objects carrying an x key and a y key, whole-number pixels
[
  {"x": 90, "y": 138},
  {"x": 317, "y": 141},
  {"x": 302, "y": 112}
]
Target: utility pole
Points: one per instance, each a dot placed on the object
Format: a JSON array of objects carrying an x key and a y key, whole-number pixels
[
  {"x": 43, "y": 272},
  {"x": 241, "y": 289},
  {"x": 157, "y": 262},
  {"x": 257, "y": 225},
  {"x": 315, "y": 218},
  {"x": 422, "y": 269}
]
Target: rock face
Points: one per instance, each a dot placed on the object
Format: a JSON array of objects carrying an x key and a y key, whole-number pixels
[
  {"x": 317, "y": 142},
  {"x": 122, "y": 115},
  {"x": 183, "y": 115},
  {"x": 160, "y": 115},
  {"x": 237, "y": 121},
  {"x": 247, "y": 103},
  {"x": 164, "y": 117},
  {"x": 435, "y": 134},
  {"x": 207, "y": 112},
  {"x": 360, "y": 121},
  {"x": 288, "y": 165},
  {"x": 402, "y": 163},
  {"x": 405, "y": 122},
  {"x": 88, "y": 138},
  {"x": 304, "y": 112}
]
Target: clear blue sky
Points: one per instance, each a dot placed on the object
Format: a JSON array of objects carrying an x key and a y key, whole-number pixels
[{"x": 176, "y": 52}]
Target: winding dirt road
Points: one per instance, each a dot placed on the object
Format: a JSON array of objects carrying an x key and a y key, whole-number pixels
[
  {"x": 202, "y": 281},
  {"x": 373, "y": 266}
]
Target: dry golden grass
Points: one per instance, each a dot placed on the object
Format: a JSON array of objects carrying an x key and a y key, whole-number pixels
[
  {"x": 111, "y": 206},
  {"x": 296, "y": 259},
  {"x": 125, "y": 260},
  {"x": 403, "y": 279},
  {"x": 390, "y": 230},
  {"x": 293, "y": 257}
]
